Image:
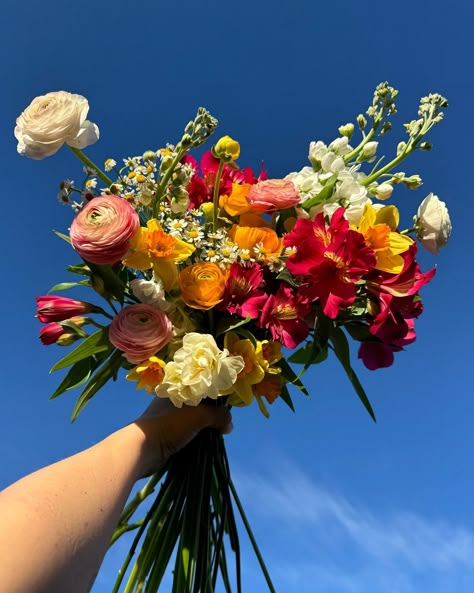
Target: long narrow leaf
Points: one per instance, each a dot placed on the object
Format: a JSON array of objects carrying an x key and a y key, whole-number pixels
[
  {"x": 95, "y": 343},
  {"x": 341, "y": 349}
]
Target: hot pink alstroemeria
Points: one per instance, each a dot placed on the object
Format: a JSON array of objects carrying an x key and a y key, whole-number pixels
[
  {"x": 57, "y": 308},
  {"x": 329, "y": 260},
  {"x": 242, "y": 284}
]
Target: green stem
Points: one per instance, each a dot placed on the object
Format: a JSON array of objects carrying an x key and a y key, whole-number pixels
[
  {"x": 347, "y": 157},
  {"x": 389, "y": 166},
  {"x": 216, "y": 195},
  {"x": 251, "y": 537},
  {"x": 164, "y": 180},
  {"x": 82, "y": 157}
]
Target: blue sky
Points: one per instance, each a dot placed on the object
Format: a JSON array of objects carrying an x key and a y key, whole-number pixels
[{"x": 339, "y": 504}]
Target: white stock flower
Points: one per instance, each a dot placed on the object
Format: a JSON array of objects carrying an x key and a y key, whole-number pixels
[
  {"x": 384, "y": 191},
  {"x": 433, "y": 223},
  {"x": 151, "y": 292},
  {"x": 369, "y": 150},
  {"x": 52, "y": 120},
  {"x": 199, "y": 370},
  {"x": 341, "y": 145}
]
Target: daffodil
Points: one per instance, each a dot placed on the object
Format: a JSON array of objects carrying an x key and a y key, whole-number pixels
[
  {"x": 251, "y": 374},
  {"x": 148, "y": 374},
  {"x": 151, "y": 247},
  {"x": 379, "y": 230}
]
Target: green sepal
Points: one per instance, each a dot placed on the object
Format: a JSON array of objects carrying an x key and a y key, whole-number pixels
[
  {"x": 95, "y": 343},
  {"x": 68, "y": 285},
  {"x": 323, "y": 195},
  {"x": 341, "y": 349},
  {"x": 106, "y": 372},
  {"x": 74, "y": 328}
]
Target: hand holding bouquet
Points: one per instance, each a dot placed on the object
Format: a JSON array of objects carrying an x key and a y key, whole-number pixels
[{"x": 211, "y": 274}]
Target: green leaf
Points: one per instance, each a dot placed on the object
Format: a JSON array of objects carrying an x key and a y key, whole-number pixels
[
  {"x": 97, "y": 342},
  {"x": 81, "y": 269},
  {"x": 78, "y": 374},
  {"x": 360, "y": 332},
  {"x": 68, "y": 285},
  {"x": 341, "y": 349},
  {"x": 230, "y": 325},
  {"x": 311, "y": 353},
  {"x": 289, "y": 374},
  {"x": 62, "y": 236},
  {"x": 73, "y": 328},
  {"x": 286, "y": 276},
  {"x": 323, "y": 195},
  {"x": 108, "y": 370},
  {"x": 113, "y": 285},
  {"x": 286, "y": 397}
]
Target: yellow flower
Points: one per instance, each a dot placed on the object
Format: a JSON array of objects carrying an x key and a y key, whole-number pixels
[
  {"x": 148, "y": 374},
  {"x": 151, "y": 247},
  {"x": 251, "y": 374},
  {"x": 378, "y": 227},
  {"x": 227, "y": 149}
]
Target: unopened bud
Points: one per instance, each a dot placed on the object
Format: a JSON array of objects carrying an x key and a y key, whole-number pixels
[
  {"x": 426, "y": 146},
  {"x": 166, "y": 163},
  {"x": 226, "y": 149},
  {"x": 387, "y": 126},
  {"x": 208, "y": 210},
  {"x": 149, "y": 155},
  {"x": 346, "y": 130},
  {"x": 66, "y": 339},
  {"x": 369, "y": 150},
  {"x": 412, "y": 182},
  {"x": 401, "y": 147},
  {"x": 361, "y": 121},
  {"x": 384, "y": 191}
]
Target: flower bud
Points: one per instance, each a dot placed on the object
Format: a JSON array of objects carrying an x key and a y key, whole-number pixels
[
  {"x": 426, "y": 146},
  {"x": 361, "y": 121},
  {"x": 346, "y": 130},
  {"x": 226, "y": 149},
  {"x": 401, "y": 147},
  {"x": 412, "y": 182},
  {"x": 149, "y": 155},
  {"x": 166, "y": 163},
  {"x": 56, "y": 308},
  {"x": 369, "y": 150},
  {"x": 208, "y": 210},
  {"x": 384, "y": 191}
]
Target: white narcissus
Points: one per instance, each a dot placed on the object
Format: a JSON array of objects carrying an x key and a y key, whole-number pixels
[
  {"x": 52, "y": 120},
  {"x": 433, "y": 224},
  {"x": 199, "y": 370}
]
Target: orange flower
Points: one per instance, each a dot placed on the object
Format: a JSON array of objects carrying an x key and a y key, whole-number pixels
[
  {"x": 237, "y": 202},
  {"x": 262, "y": 243},
  {"x": 202, "y": 285}
]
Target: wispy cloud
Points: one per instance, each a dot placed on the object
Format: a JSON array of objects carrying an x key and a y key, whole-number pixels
[{"x": 355, "y": 550}]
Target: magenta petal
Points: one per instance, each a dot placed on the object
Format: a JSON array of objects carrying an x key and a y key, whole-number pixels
[{"x": 376, "y": 355}]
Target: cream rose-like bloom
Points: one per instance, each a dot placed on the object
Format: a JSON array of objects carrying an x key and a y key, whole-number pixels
[
  {"x": 52, "y": 120},
  {"x": 433, "y": 224},
  {"x": 199, "y": 370},
  {"x": 151, "y": 292}
]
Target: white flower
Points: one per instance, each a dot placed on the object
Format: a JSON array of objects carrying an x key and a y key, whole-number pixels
[
  {"x": 384, "y": 191},
  {"x": 151, "y": 292},
  {"x": 433, "y": 223},
  {"x": 52, "y": 120},
  {"x": 199, "y": 370},
  {"x": 369, "y": 150},
  {"x": 341, "y": 145},
  {"x": 110, "y": 164}
]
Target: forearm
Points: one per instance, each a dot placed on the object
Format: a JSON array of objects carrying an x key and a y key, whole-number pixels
[{"x": 56, "y": 523}]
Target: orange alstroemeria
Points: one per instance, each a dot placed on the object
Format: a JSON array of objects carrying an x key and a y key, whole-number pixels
[
  {"x": 262, "y": 243},
  {"x": 379, "y": 229},
  {"x": 151, "y": 247}
]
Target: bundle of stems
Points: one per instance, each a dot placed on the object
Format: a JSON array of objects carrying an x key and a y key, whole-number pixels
[{"x": 193, "y": 517}]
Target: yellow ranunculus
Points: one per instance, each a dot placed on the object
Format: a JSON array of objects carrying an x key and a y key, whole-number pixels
[{"x": 227, "y": 149}]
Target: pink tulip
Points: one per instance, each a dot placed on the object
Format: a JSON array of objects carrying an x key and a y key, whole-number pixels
[
  {"x": 140, "y": 331},
  {"x": 101, "y": 231},
  {"x": 273, "y": 194},
  {"x": 56, "y": 308}
]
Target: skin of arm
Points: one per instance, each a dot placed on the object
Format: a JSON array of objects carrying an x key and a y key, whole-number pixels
[{"x": 56, "y": 524}]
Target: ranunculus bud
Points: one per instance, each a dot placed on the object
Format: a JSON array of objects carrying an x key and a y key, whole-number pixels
[
  {"x": 101, "y": 231},
  {"x": 273, "y": 194},
  {"x": 53, "y": 120},
  {"x": 57, "y": 308},
  {"x": 140, "y": 331},
  {"x": 433, "y": 224},
  {"x": 226, "y": 149}
]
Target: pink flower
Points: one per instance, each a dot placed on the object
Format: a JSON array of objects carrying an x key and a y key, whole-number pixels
[
  {"x": 50, "y": 333},
  {"x": 101, "y": 231},
  {"x": 140, "y": 331},
  {"x": 56, "y": 308},
  {"x": 242, "y": 284},
  {"x": 273, "y": 194}
]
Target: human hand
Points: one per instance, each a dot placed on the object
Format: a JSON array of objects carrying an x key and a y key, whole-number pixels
[{"x": 167, "y": 429}]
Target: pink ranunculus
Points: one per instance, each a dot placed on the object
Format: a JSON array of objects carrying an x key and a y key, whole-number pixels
[
  {"x": 140, "y": 331},
  {"x": 56, "y": 308},
  {"x": 273, "y": 194},
  {"x": 101, "y": 231}
]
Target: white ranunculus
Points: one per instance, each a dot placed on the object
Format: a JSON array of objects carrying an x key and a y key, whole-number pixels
[
  {"x": 52, "y": 120},
  {"x": 199, "y": 370},
  {"x": 152, "y": 293},
  {"x": 433, "y": 223}
]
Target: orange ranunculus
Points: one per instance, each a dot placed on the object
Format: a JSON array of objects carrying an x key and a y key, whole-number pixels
[
  {"x": 236, "y": 203},
  {"x": 202, "y": 285},
  {"x": 262, "y": 243}
]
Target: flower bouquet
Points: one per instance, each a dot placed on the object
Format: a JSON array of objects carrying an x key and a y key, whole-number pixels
[{"x": 215, "y": 280}]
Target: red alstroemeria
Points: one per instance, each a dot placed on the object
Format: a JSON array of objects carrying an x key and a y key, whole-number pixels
[
  {"x": 379, "y": 355},
  {"x": 283, "y": 314},
  {"x": 330, "y": 260},
  {"x": 242, "y": 284}
]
